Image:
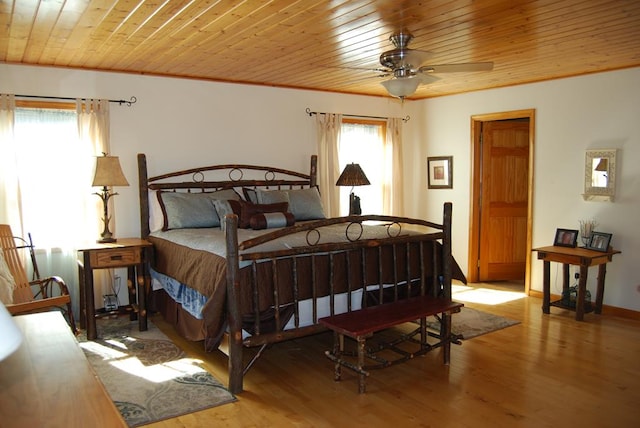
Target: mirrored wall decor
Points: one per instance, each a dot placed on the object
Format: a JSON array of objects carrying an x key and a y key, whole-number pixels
[{"x": 600, "y": 175}]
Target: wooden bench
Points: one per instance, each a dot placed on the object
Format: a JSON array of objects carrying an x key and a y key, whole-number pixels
[{"x": 361, "y": 324}]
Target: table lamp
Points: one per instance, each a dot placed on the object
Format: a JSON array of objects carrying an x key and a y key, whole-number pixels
[
  {"x": 353, "y": 175},
  {"x": 108, "y": 173}
]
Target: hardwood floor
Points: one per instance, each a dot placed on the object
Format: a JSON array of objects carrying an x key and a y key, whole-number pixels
[{"x": 547, "y": 371}]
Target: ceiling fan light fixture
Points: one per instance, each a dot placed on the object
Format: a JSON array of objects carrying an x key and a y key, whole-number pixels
[{"x": 401, "y": 87}]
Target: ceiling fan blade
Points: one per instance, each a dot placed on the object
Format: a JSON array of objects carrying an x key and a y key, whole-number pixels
[
  {"x": 457, "y": 68},
  {"x": 425, "y": 79},
  {"x": 417, "y": 57}
]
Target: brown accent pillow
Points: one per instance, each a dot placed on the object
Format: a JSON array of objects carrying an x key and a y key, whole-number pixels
[{"x": 247, "y": 210}]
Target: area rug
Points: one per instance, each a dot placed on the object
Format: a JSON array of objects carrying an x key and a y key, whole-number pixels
[
  {"x": 470, "y": 323},
  {"x": 147, "y": 376}
]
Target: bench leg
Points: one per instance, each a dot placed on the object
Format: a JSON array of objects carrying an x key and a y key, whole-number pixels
[
  {"x": 423, "y": 333},
  {"x": 338, "y": 350},
  {"x": 445, "y": 337},
  {"x": 361, "y": 373}
]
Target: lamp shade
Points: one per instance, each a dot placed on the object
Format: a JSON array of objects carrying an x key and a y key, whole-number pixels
[
  {"x": 405, "y": 83},
  {"x": 401, "y": 87},
  {"x": 109, "y": 172},
  {"x": 603, "y": 165},
  {"x": 352, "y": 175},
  {"x": 11, "y": 337}
]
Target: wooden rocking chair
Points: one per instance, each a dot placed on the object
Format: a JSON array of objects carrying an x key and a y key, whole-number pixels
[{"x": 24, "y": 298}]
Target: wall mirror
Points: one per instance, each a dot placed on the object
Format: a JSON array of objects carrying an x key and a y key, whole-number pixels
[{"x": 600, "y": 175}]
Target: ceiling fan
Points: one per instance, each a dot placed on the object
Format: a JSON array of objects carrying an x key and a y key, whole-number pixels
[{"x": 407, "y": 70}]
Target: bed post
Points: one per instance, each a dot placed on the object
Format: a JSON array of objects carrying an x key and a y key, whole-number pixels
[
  {"x": 447, "y": 266},
  {"x": 313, "y": 171},
  {"x": 235, "y": 323},
  {"x": 143, "y": 194}
]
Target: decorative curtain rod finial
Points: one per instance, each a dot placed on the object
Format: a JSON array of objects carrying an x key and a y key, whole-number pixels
[{"x": 131, "y": 101}]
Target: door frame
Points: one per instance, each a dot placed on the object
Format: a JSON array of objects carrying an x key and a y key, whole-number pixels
[{"x": 474, "y": 220}]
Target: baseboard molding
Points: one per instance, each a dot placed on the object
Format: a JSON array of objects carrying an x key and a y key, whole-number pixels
[{"x": 606, "y": 309}]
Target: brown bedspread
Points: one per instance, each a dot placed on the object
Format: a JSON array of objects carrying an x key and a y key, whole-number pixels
[
  {"x": 206, "y": 273},
  {"x": 203, "y": 271}
]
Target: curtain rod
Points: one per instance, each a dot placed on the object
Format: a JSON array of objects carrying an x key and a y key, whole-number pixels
[
  {"x": 311, "y": 113},
  {"x": 128, "y": 103}
]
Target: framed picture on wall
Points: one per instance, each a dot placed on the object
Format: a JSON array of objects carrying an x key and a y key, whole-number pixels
[
  {"x": 440, "y": 172},
  {"x": 566, "y": 238},
  {"x": 599, "y": 241}
]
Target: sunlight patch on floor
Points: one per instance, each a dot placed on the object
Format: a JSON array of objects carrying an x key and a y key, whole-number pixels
[
  {"x": 158, "y": 372},
  {"x": 486, "y": 296},
  {"x": 105, "y": 352},
  {"x": 153, "y": 373}
]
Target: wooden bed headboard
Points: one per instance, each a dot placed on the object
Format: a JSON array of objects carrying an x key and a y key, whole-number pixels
[{"x": 216, "y": 177}]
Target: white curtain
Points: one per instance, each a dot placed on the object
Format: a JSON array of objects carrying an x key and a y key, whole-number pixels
[
  {"x": 328, "y": 134},
  {"x": 392, "y": 193},
  {"x": 10, "y": 207},
  {"x": 93, "y": 129}
]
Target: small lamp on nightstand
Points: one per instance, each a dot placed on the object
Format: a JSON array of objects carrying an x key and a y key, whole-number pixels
[
  {"x": 353, "y": 175},
  {"x": 108, "y": 173}
]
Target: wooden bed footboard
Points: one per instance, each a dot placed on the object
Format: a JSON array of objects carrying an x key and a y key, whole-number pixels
[
  {"x": 411, "y": 258},
  {"x": 267, "y": 287}
]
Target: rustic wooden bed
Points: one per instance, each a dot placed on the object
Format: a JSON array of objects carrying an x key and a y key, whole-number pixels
[{"x": 272, "y": 285}]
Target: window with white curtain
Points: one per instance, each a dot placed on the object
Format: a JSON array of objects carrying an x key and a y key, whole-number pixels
[
  {"x": 52, "y": 171},
  {"x": 362, "y": 142}
]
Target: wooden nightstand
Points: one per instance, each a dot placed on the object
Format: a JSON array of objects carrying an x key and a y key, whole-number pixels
[{"x": 132, "y": 253}]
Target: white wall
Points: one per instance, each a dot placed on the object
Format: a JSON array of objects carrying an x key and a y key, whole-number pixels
[
  {"x": 181, "y": 123},
  {"x": 572, "y": 115},
  {"x": 184, "y": 123}
]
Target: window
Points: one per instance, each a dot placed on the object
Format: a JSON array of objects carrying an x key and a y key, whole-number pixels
[
  {"x": 52, "y": 172},
  {"x": 45, "y": 181},
  {"x": 362, "y": 142}
]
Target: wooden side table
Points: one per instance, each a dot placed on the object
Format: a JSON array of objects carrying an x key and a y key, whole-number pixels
[
  {"x": 132, "y": 253},
  {"x": 579, "y": 257}
]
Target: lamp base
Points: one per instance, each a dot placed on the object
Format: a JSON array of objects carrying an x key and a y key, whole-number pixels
[
  {"x": 354, "y": 205},
  {"x": 106, "y": 234},
  {"x": 106, "y": 240}
]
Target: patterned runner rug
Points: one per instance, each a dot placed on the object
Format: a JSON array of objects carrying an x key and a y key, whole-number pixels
[
  {"x": 469, "y": 323},
  {"x": 147, "y": 376}
]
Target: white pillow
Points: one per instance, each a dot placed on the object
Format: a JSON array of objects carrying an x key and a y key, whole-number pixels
[{"x": 7, "y": 283}]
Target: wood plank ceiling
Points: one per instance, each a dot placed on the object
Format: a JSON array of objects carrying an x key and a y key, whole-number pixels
[{"x": 326, "y": 45}]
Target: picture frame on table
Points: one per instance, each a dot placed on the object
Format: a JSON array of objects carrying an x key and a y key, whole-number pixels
[
  {"x": 440, "y": 172},
  {"x": 566, "y": 238},
  {"x": 600, "y": 241}
]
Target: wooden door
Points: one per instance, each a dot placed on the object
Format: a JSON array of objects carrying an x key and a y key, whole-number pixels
[
  {"x": 501, "y": 210},
  {"x": 503, "y": 222}
]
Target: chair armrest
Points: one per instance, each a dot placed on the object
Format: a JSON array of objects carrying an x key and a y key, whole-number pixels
[{"x": 46, "y": 286}]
